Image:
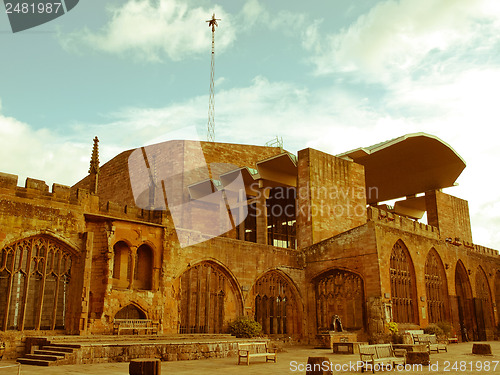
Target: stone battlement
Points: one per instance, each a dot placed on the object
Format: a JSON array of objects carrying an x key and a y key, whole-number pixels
[
  {"x": 34, "y": 188},
  {"x": 409, "y": 225},
  {"x": 80, "y": 198},
  {"x": 481, "y": 249},
  {"x": 401, "y": 222}
]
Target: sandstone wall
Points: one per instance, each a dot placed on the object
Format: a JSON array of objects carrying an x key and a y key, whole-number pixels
[
  {"x": 331, "y": 196},
  {"x": 419, "y": 240},
  {"x": 449, "y": 214}
]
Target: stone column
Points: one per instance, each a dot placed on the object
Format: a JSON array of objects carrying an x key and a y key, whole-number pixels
[
  {"x": 86, "y": 262},
  {"x": 261, "y": 212},
  {"x": 133, "y": 251},
  {"x": 242, "y": 203}
]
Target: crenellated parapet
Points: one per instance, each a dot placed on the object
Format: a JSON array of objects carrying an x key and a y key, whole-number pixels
[
  {"x": 401, "y": 222},
  {"x": 480, "y": 249},
  {"x": 38, "y": 193},
  {"x": 413, "y": 226},
  {"x": 34, "y": 188}
]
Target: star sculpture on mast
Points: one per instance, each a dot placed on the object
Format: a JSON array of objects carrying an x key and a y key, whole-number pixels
[
  {"x": 211, "y": 100},
  {"x": 213, "y": 22}
]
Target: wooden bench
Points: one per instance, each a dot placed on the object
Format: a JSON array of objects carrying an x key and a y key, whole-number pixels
[
  {"x": 433, "y": 344},
  {"x": 256, "y": 349},
  {"x": 380, "y": 356},
  {"x": 437, "y": 345},
  {"x": 135, "y": 325}
]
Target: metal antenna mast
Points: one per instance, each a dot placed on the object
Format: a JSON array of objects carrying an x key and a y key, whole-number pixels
[{"x": 211, "y": 101}]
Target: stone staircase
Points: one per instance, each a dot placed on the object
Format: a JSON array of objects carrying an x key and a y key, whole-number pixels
[
  {"x": 68, "y": 350},
  {"x": 51, "y": 354}
]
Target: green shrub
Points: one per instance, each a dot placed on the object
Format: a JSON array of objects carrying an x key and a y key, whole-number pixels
[
  {"x": 245, "y": 327},
  {"x": 433, "y": 329},
  {"x": 446, "y": 327}
]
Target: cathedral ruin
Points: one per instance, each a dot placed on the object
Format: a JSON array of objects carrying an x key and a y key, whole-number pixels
[{"x": 305, "y": 239}]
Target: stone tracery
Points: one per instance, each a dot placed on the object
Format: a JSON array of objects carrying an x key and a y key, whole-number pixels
[
  {"x": 403, "y": 285},
  {"x": 34, "y": 284},
  {"x": 340, "y": 293},
  {"x": 436, "y": 288}
]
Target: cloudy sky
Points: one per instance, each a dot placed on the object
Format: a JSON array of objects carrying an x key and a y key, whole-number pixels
[{"x": 332, "y": 75}]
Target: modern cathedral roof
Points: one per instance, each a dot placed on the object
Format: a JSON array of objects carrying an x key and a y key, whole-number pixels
[
  {"x": 407, "y": 165},
  {"x": 401, "y": 167}
]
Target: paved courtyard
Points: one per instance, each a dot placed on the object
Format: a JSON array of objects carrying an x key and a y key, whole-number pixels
[{"x": 458, "y": 360}]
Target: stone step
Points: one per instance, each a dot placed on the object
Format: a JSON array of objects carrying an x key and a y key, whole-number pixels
[
  {"x": 64, "y": 345},
  {"x": 101, "y": 349},
  {"x": 58, "y": 340},
  {"x": 57, "y": 348},
  {"x": 35, "y": 362},
  {"x": 45, "y": 357},
  {"x": 49, "y": 352}
]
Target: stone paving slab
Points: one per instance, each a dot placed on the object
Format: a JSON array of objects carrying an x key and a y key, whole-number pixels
[{"x": 458, "y": 360}]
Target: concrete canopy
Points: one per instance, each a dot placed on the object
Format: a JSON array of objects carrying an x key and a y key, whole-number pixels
[
  {"x": 408, "y": 165},
  {"x": 279, "y": 170}
]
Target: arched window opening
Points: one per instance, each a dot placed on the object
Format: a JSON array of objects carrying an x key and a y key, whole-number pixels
[
  {"x": 465, "y": 303},
  {"x": 143, "y": 272},
  {"x": 340, "y": 293},
  {"x": 436, "y": 288},
  {"x": 34, "y": 284},
  {"x": 403, "y": 285},
  {"x": 275, "y": 304},
  {"x": 207, "y": 299},
  {"x": 130, "y": 312},
  {"x": 483, "y": 305},
  {"x": 121, "y": 264}
]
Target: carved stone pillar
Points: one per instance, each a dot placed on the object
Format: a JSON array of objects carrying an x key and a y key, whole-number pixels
[
  {"x": 87, "y": 270},
  {"x": 261, "y": 212},
  {"x": 133, "y": 253}
]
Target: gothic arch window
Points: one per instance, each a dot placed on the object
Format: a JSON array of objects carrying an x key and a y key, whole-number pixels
[
  {"x": 465, "y": 302},
  {"x": 130, "y": 312},
  {"x": 207, "y": 299},
  {"x": 275, "y": 304},
  {"x": 143, "y": 270},
  {"x": 483, "y": 305},
  {"x": 34, "y": 284},
  {"x": 403, "y": 285},
  {"x": 436, "y": 288},
  {"x": 121, "y": 264},
  {"x": 340, "y": 293}
]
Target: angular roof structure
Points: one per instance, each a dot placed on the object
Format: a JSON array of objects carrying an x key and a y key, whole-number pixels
[{"x": 407, "y": 165}]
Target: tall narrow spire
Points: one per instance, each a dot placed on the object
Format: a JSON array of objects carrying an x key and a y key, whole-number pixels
[
  {"x": 211, "y": 101},
  {"x": 94, "y": 166}
]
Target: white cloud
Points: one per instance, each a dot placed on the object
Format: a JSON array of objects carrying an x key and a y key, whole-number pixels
[
  {"x": 149, "y": 30},
  {"x": 39, "y": 154},
  {"x": 251, "y": 13},
  {"x": 395, "y": 37},
  {"x": 254, "y": 13}
]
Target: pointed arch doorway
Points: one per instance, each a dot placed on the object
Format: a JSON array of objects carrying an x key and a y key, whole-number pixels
[{"x": 465, "y": 303}]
